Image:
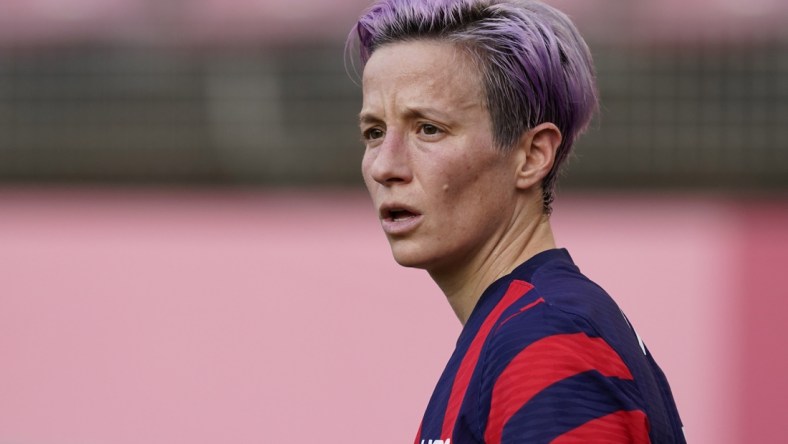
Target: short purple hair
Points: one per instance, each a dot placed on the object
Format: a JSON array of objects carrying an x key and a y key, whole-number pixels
[{"x": 535, "y": 66}]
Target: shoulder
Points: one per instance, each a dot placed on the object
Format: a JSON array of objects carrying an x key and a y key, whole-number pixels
[
  {"x": 560, "y": 301},
  {"x": 543, "y": 330},
  {"x": 565, "y": 323},
  {"x": 548, "y": 369},
  {"x": 575, "y": 303}
]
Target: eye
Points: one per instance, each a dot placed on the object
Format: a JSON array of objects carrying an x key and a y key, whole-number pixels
[
  {"x": 429, "y": 129},
  {"x": 373, "y": 133}
]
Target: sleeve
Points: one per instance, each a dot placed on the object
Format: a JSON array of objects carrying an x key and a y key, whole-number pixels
[{"x": 550, "y": 380}]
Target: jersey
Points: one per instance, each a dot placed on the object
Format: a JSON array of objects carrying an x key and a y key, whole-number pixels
[{"x": 547, "y": 356}]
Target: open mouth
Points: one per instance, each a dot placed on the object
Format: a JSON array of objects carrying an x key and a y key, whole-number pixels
[
  {"x": 398, "y": 214},
  {"x": 399, "y": 220}
]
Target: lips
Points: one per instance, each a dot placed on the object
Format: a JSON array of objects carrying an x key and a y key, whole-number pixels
[
  {"x": 397, "y": 215},
  {"x": 399, "y": 219}
]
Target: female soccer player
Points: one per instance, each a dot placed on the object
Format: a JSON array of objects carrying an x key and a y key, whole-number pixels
[{"x": 470, "y": 108}]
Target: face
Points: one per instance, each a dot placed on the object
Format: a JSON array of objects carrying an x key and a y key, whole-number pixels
[{"x": 443, "y": 191}]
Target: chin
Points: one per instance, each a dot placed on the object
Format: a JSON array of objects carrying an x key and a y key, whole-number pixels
[
  {"x": 410, "y": 256},
  {"x": 409, "y": 261}
]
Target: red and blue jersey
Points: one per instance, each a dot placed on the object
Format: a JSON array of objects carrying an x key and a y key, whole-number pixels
[{"x": 547, "y": 357}]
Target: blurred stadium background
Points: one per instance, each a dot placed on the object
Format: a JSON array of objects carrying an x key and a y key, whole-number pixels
[{"x": 137, "y": 136}]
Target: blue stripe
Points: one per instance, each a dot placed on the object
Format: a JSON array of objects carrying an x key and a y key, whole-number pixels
[{"x": 568, "y": 404}]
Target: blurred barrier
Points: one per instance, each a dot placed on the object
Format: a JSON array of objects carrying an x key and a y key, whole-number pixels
[
  {"x": 126, "y": 114},
  {"x": 255, "y": 92},
  {"x": 710, "y": 114}
]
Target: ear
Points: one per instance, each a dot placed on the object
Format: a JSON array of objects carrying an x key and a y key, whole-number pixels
[{"x": 536, "y": 154}]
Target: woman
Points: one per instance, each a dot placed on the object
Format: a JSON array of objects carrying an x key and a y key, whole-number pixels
[{"x": 470, "y": 108}]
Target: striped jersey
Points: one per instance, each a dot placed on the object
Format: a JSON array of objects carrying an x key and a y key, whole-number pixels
[{"x": 547, "y": 357}]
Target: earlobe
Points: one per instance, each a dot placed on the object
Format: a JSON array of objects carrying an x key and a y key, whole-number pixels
[{"x": 536, "y": 154}]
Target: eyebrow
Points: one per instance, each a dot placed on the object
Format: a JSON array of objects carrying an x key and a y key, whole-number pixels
[
  {"x": 368, "y": 118},
  {"x": 425, "y": 112},
  {"x": 411, "y": 113}
]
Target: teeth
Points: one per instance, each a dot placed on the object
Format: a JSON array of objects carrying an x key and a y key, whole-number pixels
[{"x": 398, "y": 215}]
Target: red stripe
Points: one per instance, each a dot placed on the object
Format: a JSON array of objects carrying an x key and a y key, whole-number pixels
[
  {"x": 542, "y": 364},
  {"x": 526, "y": 308},
  {"x": 463, "y": 377},
  {"x": 622, "y": 426},
  {"x": 418, "y": 434}
]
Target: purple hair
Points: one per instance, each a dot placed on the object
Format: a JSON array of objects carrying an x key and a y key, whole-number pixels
[{"x": 535, "y": 65}]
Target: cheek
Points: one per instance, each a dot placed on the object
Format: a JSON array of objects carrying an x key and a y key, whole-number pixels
[
  {"x": 366, "y": 163},
  {"x": 466, "y": 184},
  {"x": 475, "y": 196},
  {"x": 459, "y": 198}
]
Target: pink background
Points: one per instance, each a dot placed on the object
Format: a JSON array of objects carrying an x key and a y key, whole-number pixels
[{"x": 204, "y": 316}]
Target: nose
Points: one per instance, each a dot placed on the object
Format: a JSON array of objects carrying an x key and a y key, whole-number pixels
[{"x": 389, "y": 162}]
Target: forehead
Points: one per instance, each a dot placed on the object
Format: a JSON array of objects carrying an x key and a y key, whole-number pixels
[{"x": 425, "y": 70}]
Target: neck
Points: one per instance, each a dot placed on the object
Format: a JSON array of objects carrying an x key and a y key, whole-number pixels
[{"x": 463, "y": 285}]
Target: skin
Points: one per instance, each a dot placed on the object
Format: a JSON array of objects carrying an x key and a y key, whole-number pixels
[{"x": 474, "y": 211}]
